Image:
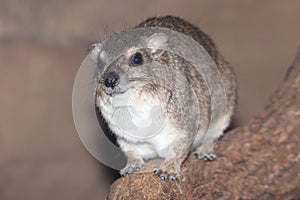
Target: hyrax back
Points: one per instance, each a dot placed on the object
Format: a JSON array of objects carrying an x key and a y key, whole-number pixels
[
  {"x": 135, "y": 75},
  {"x": 182, "y": 26}
]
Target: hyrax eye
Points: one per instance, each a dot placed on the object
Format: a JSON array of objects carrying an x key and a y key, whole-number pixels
[{"x": 136, "y": 59}]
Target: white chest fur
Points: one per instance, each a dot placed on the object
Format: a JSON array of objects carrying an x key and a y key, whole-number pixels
[{"x": 140, "y": 120}]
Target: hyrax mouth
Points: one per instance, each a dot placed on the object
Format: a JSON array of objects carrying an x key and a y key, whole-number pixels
[
  {"x": 109, "y": 91},
  {"x": 113, "y": 91}
]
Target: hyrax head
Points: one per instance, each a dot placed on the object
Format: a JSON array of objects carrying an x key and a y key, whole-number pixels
[{"x": 137, "y": 67}]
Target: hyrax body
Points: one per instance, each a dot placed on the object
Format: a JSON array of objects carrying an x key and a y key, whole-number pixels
[{"x": 134, "y": 83}]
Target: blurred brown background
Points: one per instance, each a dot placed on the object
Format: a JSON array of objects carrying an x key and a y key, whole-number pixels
[{"x": 42, "y": 44}]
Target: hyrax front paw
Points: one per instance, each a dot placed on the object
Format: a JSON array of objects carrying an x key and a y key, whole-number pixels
[
  {"x": 131, "y": 167},
  {"x": 167, "y": 173}
]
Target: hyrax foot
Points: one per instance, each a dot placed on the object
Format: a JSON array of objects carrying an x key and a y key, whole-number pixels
[
  {"x": 131, "y": 167},
  {"x": 209, "y": 157},
  {"x": 205, "y": 157},
  {"x": 167, "y": 173}
]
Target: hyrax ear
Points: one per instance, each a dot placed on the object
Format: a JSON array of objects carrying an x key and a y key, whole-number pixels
[
  {"x": 158, "y": 42},
  {"x": 94, "y": 51}
]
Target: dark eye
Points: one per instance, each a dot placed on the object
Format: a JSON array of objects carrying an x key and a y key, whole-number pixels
[{"x": 136, "y": 59}]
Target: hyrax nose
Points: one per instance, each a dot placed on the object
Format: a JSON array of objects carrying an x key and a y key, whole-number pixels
[{"x": 112, "y": 79}]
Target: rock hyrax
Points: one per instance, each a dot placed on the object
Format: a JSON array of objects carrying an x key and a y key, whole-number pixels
[{"x": 133, "y": 83}]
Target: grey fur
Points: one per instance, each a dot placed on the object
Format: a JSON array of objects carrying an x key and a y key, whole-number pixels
[{"x": 180, "y": 105}]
